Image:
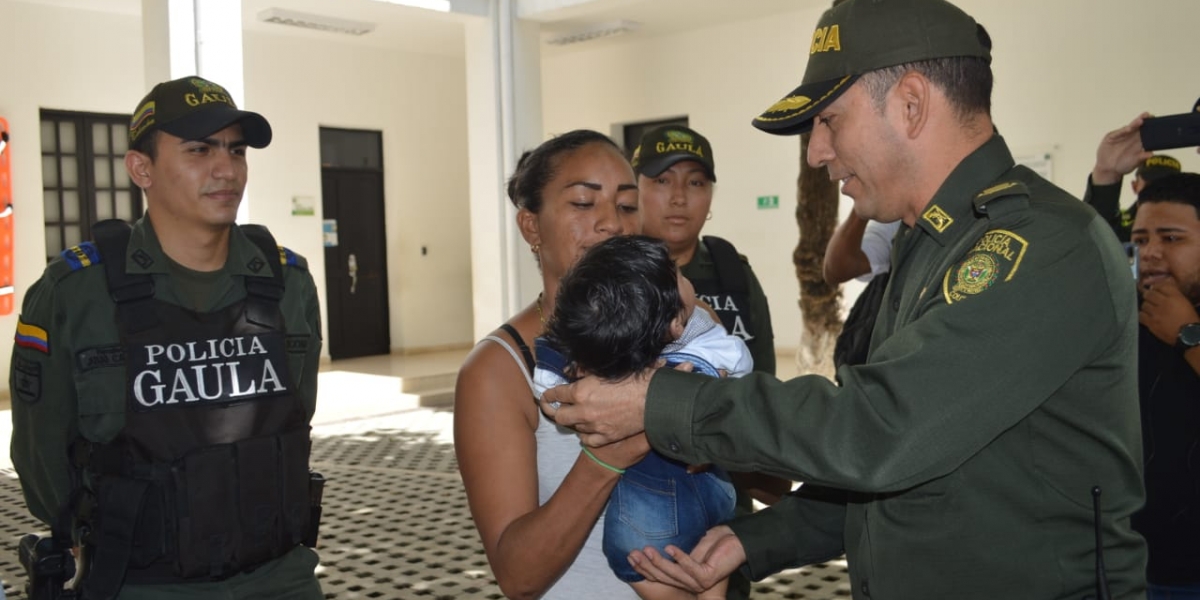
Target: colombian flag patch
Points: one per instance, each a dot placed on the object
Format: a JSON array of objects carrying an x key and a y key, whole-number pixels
[{"x": 32, "y": 337}]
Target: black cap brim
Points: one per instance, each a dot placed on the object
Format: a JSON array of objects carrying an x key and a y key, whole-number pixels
[
  {"x": 795, "y": 113},
  {"x": 655, "y": 167},
  {"x": 201, "y": 124}
]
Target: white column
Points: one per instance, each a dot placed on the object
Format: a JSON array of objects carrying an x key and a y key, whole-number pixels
[{"x": 504, "y": 119}]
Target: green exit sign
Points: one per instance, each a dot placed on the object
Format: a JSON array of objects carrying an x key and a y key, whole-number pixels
[{"x": 768, "y": 202}]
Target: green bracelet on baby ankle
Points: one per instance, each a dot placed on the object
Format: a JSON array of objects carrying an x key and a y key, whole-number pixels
[{"x": 600, "y": 462}]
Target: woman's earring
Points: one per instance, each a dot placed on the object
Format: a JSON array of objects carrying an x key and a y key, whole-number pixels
[
  {"x": 709, "y": 217},
  {"x": 535, "y": 248}
]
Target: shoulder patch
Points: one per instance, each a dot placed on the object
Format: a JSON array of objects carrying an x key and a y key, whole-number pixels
[
  {"x": 27, "y": 379},
  {"x": 83, "y": 255},
  {"x": 995, "y": 258},
  {"x": 288, "y": 258},
  {"x": 1000, "y": 190}
]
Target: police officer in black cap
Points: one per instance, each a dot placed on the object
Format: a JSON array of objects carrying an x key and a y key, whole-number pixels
[{"x": 164, "y": 377}]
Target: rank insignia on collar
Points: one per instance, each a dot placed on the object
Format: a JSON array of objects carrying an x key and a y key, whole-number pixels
[
  {"x": 995, "y": 258},
  {"x": 938, "y": 218}
]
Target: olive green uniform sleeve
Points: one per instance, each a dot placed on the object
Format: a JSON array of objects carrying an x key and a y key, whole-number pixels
[
  {"x": 304, "y": 305},
  {"x": 934, "y": 394},
  {"x": 762, "y": 347},
  {"x": 44, "y": 406},
  {"x": 803, "y": 528}
]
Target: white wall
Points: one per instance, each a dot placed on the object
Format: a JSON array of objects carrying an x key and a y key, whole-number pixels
[
  {"x": 419, "y": 103},
  {"x": 1067, "y": 71},
  {"x": 81, "y": 60},
  {"x": 62, "y": 59}
]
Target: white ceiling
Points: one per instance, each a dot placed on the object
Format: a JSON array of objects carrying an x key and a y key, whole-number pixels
[{"x": 418, "y": 30}]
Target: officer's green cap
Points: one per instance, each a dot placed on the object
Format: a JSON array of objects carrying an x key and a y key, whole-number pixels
[
  {"x": 664, "y": 146},
  {"x": 859, "y": 36},
  {"x": 193, "y": 108}
]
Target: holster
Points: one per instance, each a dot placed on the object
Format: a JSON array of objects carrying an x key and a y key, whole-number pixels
[
  {"x": 316, "y": 487},
  {"x": 48, "y": 564}
]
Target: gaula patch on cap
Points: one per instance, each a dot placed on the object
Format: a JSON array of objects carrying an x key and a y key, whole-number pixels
[
  {"x": 938, "y": 218},
  {"x": 996, "y": 257}
]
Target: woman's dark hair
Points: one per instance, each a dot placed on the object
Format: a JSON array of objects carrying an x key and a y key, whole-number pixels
[
  {"x": 538, "y": 166},
  {"x": 613, "y": 312}
]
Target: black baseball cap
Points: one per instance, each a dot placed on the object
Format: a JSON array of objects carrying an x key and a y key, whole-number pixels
[
  {"x": 1157, "y": 167},
  {"x": 193, "y": 108},
  {"x": 860, "y": 36},
  {"x": 664, "y": 146}
]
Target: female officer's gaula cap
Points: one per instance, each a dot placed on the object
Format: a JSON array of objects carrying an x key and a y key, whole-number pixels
[
  {"x": 859, "y": 36},
  {"x": 193, "y": 108},
  {"x": 664, "y": 146}
]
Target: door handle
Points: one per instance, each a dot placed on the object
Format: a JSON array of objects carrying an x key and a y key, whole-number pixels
[{"x": 352, "y": 268}]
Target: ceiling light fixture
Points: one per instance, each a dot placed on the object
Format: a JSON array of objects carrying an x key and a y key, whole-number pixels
[
  {"x": 294, "y": 18},
  {"x": 438, "y": 5},
  {"x": 592, "y": 32}
]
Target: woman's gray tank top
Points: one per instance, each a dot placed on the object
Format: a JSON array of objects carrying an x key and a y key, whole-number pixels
[{"x": 557, "y": 448}]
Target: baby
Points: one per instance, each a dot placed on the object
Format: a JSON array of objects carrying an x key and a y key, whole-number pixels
[{"x": 621, "y": 309}]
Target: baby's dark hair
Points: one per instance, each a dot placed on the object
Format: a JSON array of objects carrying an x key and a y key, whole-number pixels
[
  {"x": 613, "y": 312},
  {"x": 537, "y": 167}
]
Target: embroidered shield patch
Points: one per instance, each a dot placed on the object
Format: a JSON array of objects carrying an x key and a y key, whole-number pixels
[
  {"x": 27, "y": 379},
  {"x": 995, "y": 257}
]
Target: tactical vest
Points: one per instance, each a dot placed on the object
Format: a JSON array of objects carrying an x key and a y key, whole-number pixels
[
  {"x": 209, "y": 476},
  {"x": 729, "y": 292}
]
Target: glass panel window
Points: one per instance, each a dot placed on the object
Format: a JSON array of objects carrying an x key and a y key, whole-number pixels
[
  {"x": 120, "y": 176},
  {"x": 104, "y": 205},
  {"x": 50, "y": 171},
  {"x": 83, "y": 175},
  {"x": 49, "y": 138},
  {"x": 120, "y": 139},
  {"x": 54, "y": 243},
  {"x": 102, "y": 172},
  {"x": 70, "y": 173},
  {"x": 351, "y": 149},
  {"x": 72, "y": 210},
  {"x": 125, "y": 206},
  {"x": 50, "y": 205},
  {"x": 72, "y": 236},
  {"x": 100, "y": 144},
  {"x": 66, "y": 137}
]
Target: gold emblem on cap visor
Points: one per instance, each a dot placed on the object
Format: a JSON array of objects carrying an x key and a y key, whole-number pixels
[
  {"x": 938, "y": 218},
  {"x": 790, "y": 104}
]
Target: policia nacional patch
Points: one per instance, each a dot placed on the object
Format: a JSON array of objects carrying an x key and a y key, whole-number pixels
[{"x": 995, "y": 257}]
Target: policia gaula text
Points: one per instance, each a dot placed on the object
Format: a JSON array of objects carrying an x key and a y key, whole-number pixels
[{"x": 164, "y": 377}]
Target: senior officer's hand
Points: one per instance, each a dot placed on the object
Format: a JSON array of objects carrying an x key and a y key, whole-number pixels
[
  {"x": 717, "y": 555},
  {"x": 1165, "y": 309},
  {"x": 601, "y": 412}
]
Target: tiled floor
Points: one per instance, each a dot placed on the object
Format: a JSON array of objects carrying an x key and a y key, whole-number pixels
[{"x": 396, "y": 524}]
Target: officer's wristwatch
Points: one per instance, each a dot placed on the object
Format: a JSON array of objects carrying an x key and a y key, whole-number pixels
[{"x": 1189, "y": 336}]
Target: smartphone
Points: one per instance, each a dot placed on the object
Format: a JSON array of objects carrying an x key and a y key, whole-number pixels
[
  {"x": 1171, "y": 131},
  {"x": 1133, "y": 260}
]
